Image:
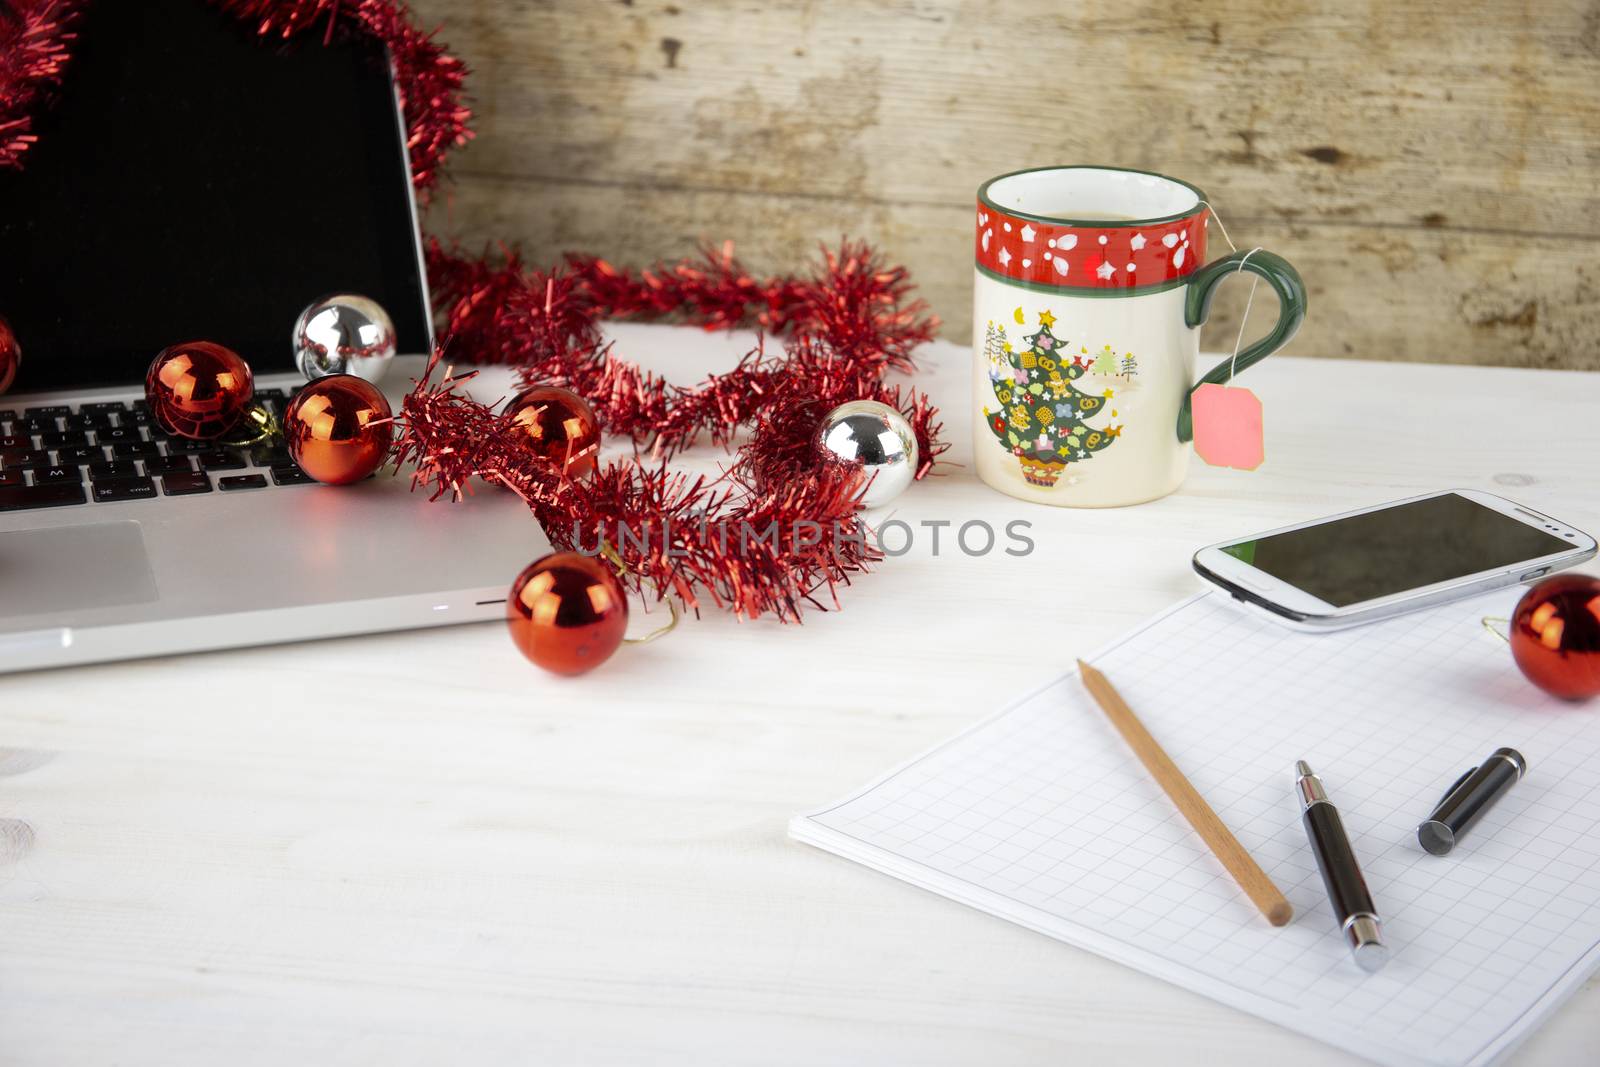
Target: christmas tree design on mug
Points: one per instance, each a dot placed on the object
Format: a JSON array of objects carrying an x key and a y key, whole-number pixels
[{"x": 1043, "y": 419}]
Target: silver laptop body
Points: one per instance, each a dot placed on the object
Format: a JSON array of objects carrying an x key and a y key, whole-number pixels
[{"x": 102, "y": 581}]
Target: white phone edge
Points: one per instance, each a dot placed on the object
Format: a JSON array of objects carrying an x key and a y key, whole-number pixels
[{"x": 1297, "y": 609}]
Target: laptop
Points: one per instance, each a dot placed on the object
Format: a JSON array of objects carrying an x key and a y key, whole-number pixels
[{"x": 195, "y": 183}]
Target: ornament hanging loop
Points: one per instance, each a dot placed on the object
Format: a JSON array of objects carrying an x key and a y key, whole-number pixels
[
  {"x": 255, "y": 427},
  {"x": 660, "y": 631},
  {"x": 611, "y": 556}
]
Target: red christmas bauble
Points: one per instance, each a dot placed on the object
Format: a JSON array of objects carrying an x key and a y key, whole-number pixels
[
  {"x": 10, "y": 356},
  {"x": 339, "y": 429},
  {"x": 198, "y": 390},
  {"x": 560, "y": 426},
  {"x": 1555, "y": 636},
  {"x": 567, "y": 612}
]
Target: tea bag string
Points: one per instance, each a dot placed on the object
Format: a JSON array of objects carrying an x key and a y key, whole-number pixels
[{"x": 1233, "y": 364}]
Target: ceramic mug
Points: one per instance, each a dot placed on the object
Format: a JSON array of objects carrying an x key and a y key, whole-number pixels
[{"x": 1089, "y": 296}]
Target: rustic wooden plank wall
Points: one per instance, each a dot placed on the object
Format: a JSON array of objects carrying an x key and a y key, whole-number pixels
[{"x": 1433, "y": 169}]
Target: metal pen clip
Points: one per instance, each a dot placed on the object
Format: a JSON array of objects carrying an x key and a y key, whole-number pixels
[{"x": 1453, "y": 787}]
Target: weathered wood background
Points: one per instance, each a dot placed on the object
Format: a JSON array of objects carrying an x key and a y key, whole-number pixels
[{"x": 1432, "y": 169}]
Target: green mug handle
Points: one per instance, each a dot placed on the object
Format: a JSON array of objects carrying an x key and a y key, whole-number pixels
[{"x": 1285, "y": 281}]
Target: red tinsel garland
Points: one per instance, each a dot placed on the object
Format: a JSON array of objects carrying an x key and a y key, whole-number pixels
[
  {"x": 768, "y": 536},
  {"x": 778, "y": 528},
  {"x": 35, "y": 43},
  {"x": 36, "y": 38},
  {"x": 847, "y": 327}
]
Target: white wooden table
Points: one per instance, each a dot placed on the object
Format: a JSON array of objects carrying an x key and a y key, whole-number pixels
[{"x": 417, "y": 848}]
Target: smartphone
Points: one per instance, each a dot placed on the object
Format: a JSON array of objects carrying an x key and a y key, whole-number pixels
[{"x": 1383, "y": 561}]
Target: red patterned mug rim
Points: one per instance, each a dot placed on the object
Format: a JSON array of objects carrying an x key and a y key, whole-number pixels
[{"x": 1200, "y": 204}]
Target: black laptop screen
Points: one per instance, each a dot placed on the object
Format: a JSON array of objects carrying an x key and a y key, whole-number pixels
[{"x": 195, "y": 183}]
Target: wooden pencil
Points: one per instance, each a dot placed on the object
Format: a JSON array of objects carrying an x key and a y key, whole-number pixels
[{"x": 1251, "y": 878}]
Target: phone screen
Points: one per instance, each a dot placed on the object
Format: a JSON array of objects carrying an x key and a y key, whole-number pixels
[{"x": 1380, "y": 553}]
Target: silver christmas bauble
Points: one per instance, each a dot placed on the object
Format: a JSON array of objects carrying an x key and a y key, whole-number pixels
[
  {"x": 344, "y": 334},
  {"x": 876, "y": 438}
]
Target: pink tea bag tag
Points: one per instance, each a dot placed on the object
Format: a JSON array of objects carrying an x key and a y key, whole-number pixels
[{"x": 1228, "y": 427}]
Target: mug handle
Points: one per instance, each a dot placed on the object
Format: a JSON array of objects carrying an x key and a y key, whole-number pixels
[{"x": 1285, "y": 281}]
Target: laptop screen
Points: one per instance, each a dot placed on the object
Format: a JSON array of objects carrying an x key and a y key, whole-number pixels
[{"x": 194, "y": 182}]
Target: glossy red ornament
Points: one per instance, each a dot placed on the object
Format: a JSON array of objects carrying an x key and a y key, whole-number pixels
[
  {"x": 339, "y": 429},
  {"x": 560, "y": 426},
  {"x": 198, "y": 390},
  {"x": 1555, "y": 636},
  {"x": 10, "y": 356},
  {"x": 567, "y": 612}
]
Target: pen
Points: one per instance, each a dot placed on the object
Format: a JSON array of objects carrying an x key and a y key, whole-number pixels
[
  {"x": 1473, "y": 794},
  {"x": 1347, "y": 890}
]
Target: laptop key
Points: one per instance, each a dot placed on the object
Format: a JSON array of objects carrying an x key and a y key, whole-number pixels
[
  {"x": 243, "y": 481},
  {"x": 271, "y": 456},
  {"x": 221, "y": 459},
  {"x": 132, "y": 449},
  {"x": 103, "y": 407},
  {"x": 113, "y": 434},
  {"x": 187, "y": 447},
  {"x": 16, "y": 440},
  {"x": 38, "y": 425},
  {"x": 120, "y": 468},
  {"x": 24, "y": 457},
  {"x": 137, "y": 418},
  {"x": 80, "y": 455},
  {"x": 168, "y": 464},
  {"x": 110, "y": 489},
  {"x": 49, "y": 412},
  {"x": 63, "y": 439},
  {"x": 12, "y": 477},
  {"x": 20, "y": 497},
  {"x": 57, "y": 475},
  {"x": 91, "y": 421},
  {"x": 182, "y": 483},
  {"x": 291, "y": 475}
]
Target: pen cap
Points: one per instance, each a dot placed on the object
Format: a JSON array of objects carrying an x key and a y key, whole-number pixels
[{"x": 1469, "y": 799}]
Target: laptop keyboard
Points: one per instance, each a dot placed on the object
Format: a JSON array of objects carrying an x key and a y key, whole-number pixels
[{"x": 102, "y": 453}]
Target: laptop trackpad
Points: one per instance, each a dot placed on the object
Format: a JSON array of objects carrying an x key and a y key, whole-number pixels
[{"x": 99, "y": 565}]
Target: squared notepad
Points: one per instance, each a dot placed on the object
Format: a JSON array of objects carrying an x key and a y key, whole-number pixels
[{"x": 1043, "y": 816}]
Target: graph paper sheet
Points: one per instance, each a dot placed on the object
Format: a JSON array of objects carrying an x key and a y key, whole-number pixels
[{"x": 1043, "y": 816}]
